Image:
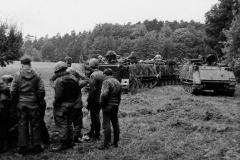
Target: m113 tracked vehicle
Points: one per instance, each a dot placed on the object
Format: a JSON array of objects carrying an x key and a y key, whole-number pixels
[
  {"x": 197, "y": 76},
  {"x": 167, "y": 72}
]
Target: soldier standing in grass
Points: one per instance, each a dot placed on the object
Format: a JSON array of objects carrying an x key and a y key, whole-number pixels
[
  {"x": 66, "y": 94},
  {"x": 77, "y": 109},
  {"x": 110, "y": 100},
  {"x": 27, "y": 92},
  {"x": 95, "y": 85},
  {"x": 77, "y": 113}
]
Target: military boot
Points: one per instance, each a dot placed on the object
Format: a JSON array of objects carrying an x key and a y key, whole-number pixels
[
  {"x": 38, "y": 149},
  {"x": 114, "y": 145},
  {"x": 22, "y": 150},
  {"x": 104, "y": 147},
  {"x": 70, "y": 144},
  {"x": 62, "y": 146},
  {"x": 90, "y": 134}
]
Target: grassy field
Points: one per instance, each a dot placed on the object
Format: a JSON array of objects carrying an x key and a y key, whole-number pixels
[{"x": 163, "y": 123}]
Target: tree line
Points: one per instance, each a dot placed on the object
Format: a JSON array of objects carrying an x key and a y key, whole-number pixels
[
  {"x": 170, "y": 39},
  {"x": 219, "y": 35}
]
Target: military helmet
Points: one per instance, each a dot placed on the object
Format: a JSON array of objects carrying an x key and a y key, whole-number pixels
[
  {"x": 211, "y": 58},
  {"x": 93, "y": 63},
  {"x": 111, "y": 56},
  {"x": 7, "y": 78},
  {"x": 158, "y": 56},
  {"x": 71, "y": 70},
  {"x": 59, "y": 66}
]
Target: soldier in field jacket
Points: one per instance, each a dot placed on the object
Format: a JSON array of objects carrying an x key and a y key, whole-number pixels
[
  {"x": 95, "y": 85},
  {"x": 27, "y": 92},
  {"x": 110, "y": 99}
]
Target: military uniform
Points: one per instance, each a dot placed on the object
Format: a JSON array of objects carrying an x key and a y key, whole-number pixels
[
  {"x": 77, "y": 109},
  {"x": 95, "y": 84},
  {"x": 66, "y": 94},
  {"x": 110, "y": 100},
  {"x": 132, "y": 57},
  {"x": 44, "y": 131},
  {"x": 27, "y": 90}
]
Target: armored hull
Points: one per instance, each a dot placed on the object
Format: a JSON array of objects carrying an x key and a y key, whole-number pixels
[{"x": 196, "y": 77}]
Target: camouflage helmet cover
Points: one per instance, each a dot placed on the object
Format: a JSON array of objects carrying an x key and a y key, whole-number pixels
[
  {"x": 158, "y": 56},
  {"x": 59, "y": 66},
  {"x": 93, "y": 63},
  {"x": 71, "y": 70},
  {"x": 7, "y": 78}
]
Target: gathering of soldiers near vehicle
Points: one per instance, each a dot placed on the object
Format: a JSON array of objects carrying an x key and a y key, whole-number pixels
[{"x": 27, "y": 94}]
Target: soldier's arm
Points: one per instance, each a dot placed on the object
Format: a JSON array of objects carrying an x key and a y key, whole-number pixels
[
  {"x": 120, "y": 94},
  {"x": 41, "y": 90},
  {"x": 59, "y": 90},
  {"x": 52, "y": 79},
  {"x": 81, "y": 75},
  {"x": 92, "y": 89},
  {"x": 104, "y": 92},
  {"x": 14, "y": 90},
  {"x": 83, "y": 83}
]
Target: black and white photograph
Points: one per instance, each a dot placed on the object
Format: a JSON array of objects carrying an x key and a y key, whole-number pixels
[{"x": 119, "y": 80}]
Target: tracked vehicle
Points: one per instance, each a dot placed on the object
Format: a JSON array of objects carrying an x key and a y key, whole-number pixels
[
  {"x": 197, "y": 76},
  {"x": 120, "y": 72},
  {"x": 167, "y": 72}
]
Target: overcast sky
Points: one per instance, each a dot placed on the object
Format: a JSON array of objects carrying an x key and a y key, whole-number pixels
[{"x": 42, "y": 17}]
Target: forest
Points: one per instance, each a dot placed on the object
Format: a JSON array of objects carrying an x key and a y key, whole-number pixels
[{"x": 219, "y": 35}]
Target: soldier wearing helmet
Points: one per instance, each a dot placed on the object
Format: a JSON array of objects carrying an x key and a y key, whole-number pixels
[
  {"x": 77, "y": 109},
  {"x": 66, "y": 94},
  {"x": 100, "y": 59},
  {"x": 27, "y": 93},
  {"x": 68, "y": 61},
  {"x": 111, "y": 57},
  {"x": 95, "y": 85},
  {"x": 132, "y": 57},
  {"x": 158, "y": 57}
]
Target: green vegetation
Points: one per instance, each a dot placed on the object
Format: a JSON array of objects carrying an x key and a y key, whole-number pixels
[{"x": 10, "y": 43}]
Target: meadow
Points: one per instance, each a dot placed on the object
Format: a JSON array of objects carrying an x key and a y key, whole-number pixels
[{"x": 163, "y": 123}]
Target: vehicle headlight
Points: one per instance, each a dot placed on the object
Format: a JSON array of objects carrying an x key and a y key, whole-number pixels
[{"x": 125, "y": 82}]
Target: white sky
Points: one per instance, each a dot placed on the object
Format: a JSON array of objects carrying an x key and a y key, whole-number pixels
[{"x": 42, "y": 17}]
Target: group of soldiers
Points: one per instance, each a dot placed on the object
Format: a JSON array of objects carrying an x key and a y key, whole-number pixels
[{"x": 27, "y": 95}]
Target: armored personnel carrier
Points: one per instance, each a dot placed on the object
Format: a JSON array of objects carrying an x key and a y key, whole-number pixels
[
  {"x": 197, "y": 76},
  {"x": 167, "y": 72}
]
